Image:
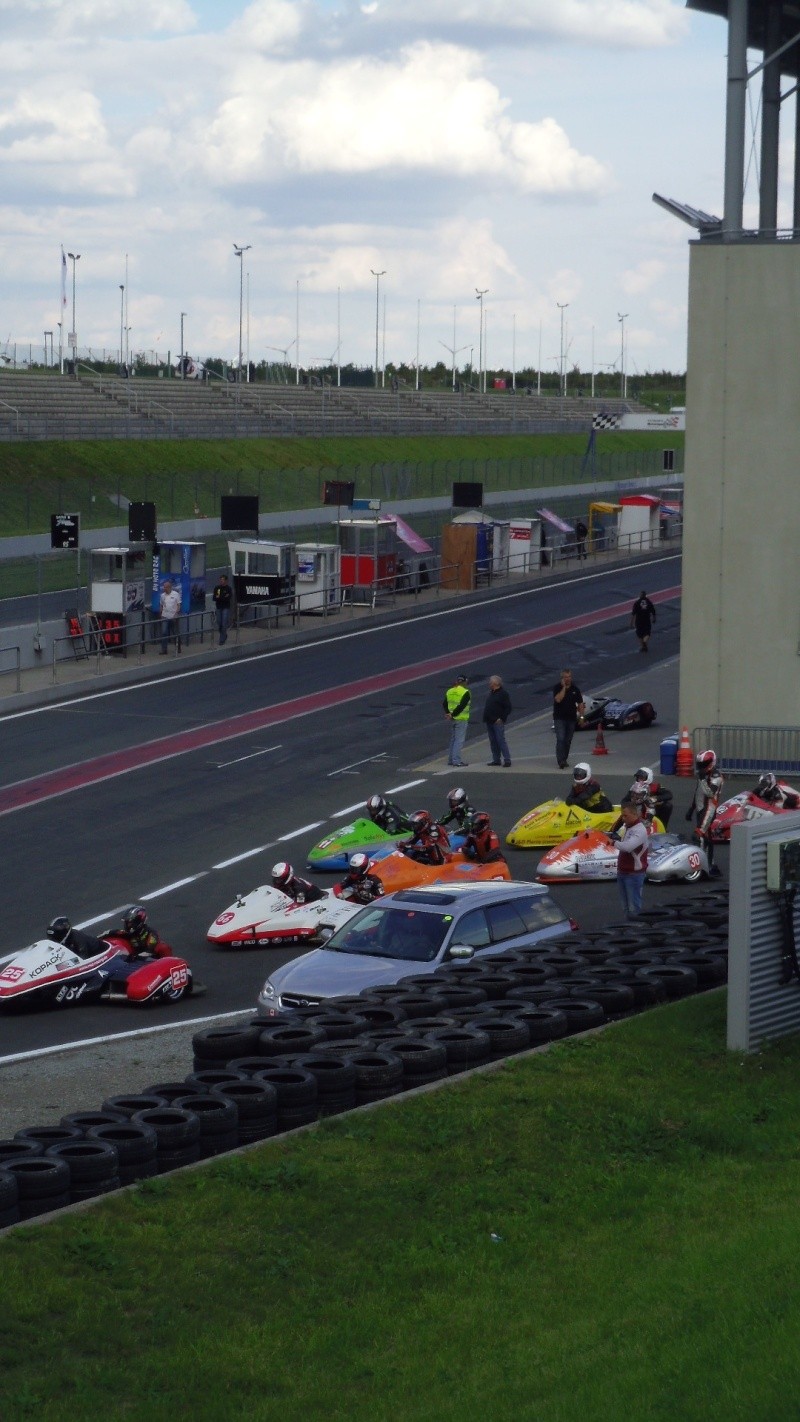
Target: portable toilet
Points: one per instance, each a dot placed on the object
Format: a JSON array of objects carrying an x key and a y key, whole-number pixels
[
  {"x": 638, "y": 527},
  {"x": 467, "y": 550},
  {"x": 319, "y": 577},
  {"x": 524, "y": 545},
  {"x": 262, "y": 571},
  {"x": 116, "y": 592},
  {"x": 184, "y": 566}
]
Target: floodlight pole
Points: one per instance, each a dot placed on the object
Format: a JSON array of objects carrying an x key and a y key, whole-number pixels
[
  {"x": 377, "y": 276},
  {"x": 622, "y": 317},
  {"x": 481, "y": 380},
  {"x": 240, "y": 251},
  {"x": 562, "y": 306},
  {"x": 74, "y": 258}
]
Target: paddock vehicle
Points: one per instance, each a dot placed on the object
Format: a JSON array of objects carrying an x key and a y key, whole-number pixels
[{"x": 615, "y": 715}]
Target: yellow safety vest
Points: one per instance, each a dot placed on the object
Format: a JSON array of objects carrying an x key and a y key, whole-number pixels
[{"x": 454, "y": 698}]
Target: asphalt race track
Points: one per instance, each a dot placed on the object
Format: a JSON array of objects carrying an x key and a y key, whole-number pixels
[{"x": 180, "y": 791}]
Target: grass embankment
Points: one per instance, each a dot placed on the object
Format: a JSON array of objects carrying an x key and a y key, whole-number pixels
[
  {"x": 643, "y": 1183},
  {"x": 96, "y": 478}
]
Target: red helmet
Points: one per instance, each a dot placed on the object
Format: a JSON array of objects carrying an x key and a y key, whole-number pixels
[
  {"x": 282, "y": 872},
  {"x": 422, "y": 820},
  {"x": 705, "y": 762},
  {"x": 456, "y": 797},
  {"x": 359, "y": 864},
  {"x": 481, "y": 822}
]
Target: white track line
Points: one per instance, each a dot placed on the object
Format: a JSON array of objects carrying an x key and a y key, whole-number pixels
[
  {"x": 223, "y": 764},
  {"x": 295, "y": 834},
  {"x": 248, "y": 854},
  {"x": 169, "y": 888},
  {"x": 121, "y": 1036},
  {"x": 340, "y": 814},
  {"x": 409, "y": 785}
]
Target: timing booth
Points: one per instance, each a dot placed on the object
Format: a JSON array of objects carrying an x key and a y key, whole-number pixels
[
  {"x": 319, "y": 576},
  {"x": 524, "y": 546},
  {"x": 262, "y": 571},
  {"x": 639, "y": 523},
  {"x": 369, "y": 555},
  {"x": 116, "y": 594},
  {"x": 184, "y": 566}
]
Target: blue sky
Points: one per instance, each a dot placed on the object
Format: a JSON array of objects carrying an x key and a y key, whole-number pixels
[{"x": 452, "y": 144}]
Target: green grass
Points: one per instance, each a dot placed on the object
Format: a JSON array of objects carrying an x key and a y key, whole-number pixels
[
  {"x": 644, "y": 1183},
  {"x": 96, "y": 478}
]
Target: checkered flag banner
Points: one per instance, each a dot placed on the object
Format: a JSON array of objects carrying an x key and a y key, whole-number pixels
[{"x": 606, "y": 422}]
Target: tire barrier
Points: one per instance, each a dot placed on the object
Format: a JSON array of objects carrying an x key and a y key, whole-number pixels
[{"x": 254, "y": 1081}]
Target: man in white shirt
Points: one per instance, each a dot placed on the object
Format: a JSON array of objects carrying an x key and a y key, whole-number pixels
[
  {"x": 170, "y": 616},
  {"x": 632, "y": 861}
]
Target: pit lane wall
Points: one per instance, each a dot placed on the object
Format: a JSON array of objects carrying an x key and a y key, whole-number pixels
[{"x": 740, "y": 614}]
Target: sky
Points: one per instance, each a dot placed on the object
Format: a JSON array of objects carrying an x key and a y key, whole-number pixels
[{"x": 454, "y": 146}]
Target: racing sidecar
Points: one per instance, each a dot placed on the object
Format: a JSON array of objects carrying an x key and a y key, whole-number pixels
[
  {"x": 592, "y": 857},
  {"x": 615, "y": 715},
  {"x": 334, "y": 852},
  {"x": 554, "y": 821},
  {"x": 266, "y": 917},
  {"x": 744, "y": 806},
  {"x": 401, "y": 871},
  {"x": 48, "y": 974}
]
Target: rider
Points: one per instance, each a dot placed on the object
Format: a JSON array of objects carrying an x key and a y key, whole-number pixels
[
  {"x": 656, "y": 800},
  {"x": 770, "y": 789},
  {"x": 481, "y": 843},
  {"x": 358, "y": 885},
  {"x": 586, "y": 792},
  {"x": 60, "y": 930},
  {"x": 705, "y": 803},
  {"x": 300, "y": 891},
  {"x": 387, "y": 816},
  {"x": 428, "y": 841},
  {"x": 135, "y": 927},
  {"x": 459, "y": 812}
]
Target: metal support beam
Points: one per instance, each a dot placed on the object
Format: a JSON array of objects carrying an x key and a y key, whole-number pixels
[
  {"x": 770, "y": 122},
  {"x": 735, "y": 118}
]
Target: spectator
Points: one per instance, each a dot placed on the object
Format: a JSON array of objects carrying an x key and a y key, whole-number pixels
[
  {"x": 632, "y": 860},
  {"x": 456, "y": 703},
  {"x": 568, "y": 705},
  {"x": 222, "y": 603},
  {"x": 643, "y": 615},
  {"x": 580, "y": 539},
  {"x": 495, "y": 714},
  {"x": 170, "y": 604}
]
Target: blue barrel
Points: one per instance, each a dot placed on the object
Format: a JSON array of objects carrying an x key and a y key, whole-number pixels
[{"x": 669, "y": 752}]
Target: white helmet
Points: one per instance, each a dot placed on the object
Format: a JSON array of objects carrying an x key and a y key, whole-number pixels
[
  {"x": 282, "y": 872},
  {"x": 456, "y": 797},
  {"x": 643, "y": 776},
  {"x": 582, "y": 772}
]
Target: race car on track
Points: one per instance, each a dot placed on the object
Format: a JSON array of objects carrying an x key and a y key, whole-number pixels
[
  {"x": 591, "y": 857},
  {"x": 334, "y": 852},
  {"x": 744, "y": 806},
  {"x": 615, "y": 715},
  {"x": 265, "y": 918},
  {"x": 554, "y": 821},
  {"x": 50, "y": 974},
  {"x": 400, "y": 871}
]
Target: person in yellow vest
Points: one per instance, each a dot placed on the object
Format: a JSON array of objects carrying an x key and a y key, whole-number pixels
[{"x": 456, "y": 708}]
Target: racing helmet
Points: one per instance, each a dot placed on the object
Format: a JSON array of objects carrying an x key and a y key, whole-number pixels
[
  {"x": 481, "y": 822},
  {"x": 705, "y": 762},
  {"x": 766, "y": 782},
  {"x": 456, "y": 797},
  {"x": 375, "y": 804},
  {"x": 359, "y": 864},
  {"x": 643, "y": 777},
  {"x": 421, "y": 820},
  {"x": 59, "y": 929},
  {"x": 134, "y": 921},
  {"x": 282, "y": 872},
  {"x": 582, "y": 773}
]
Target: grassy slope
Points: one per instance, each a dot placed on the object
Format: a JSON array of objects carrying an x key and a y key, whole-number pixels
[{"x": 644, "y": 1184}]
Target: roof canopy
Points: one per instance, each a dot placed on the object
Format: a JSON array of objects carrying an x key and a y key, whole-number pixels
[{"x": 757, "y": 25}]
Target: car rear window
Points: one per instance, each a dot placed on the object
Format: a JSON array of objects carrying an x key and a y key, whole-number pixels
[
  {"x": 540, "y": 911},
  {"x": 505, "y": 921}
]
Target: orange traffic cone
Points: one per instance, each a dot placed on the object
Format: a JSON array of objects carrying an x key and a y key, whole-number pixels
[
  {"x": 599, "y": 747},
  {"x": 684, "y": 760}
]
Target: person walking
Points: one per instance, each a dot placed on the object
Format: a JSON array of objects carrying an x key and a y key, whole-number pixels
[
  {"x": 495, "y": 714},
  {"x": 457, "y": 701},
  {"x": 568, "y": 705},
  {"x": 632, "y": 859},
  {"x": 221, "y": 597},
  {"x": 170, "y": 605},
  {"x": 643, "y": 615},
  {"x": 705, "y": 803}
]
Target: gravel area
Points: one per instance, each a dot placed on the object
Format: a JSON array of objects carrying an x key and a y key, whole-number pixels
[{"x": 39, "y": 1092}]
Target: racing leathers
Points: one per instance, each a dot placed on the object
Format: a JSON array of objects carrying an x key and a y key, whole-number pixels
[
  {"x": 460, "y": 816},
  {"x": 301, "y": 891},
  {"x": 359, "y": 888},
  {"x": 703, "y": 809},
  {"x": 779, "y": 795},
  {"x": 427, "y": 845},
  {"x": 589, "y": 795},
  {"x": 391, "y": 819},
  {"x": 143, "y": 944},
  {"x": 655, "y": 801},
  {"x": 483, "y": 846}
]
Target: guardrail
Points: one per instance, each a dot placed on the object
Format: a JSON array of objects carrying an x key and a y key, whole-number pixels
[
  {"x": 15, "y": 669},
  {"x": 753, "y": 749}
]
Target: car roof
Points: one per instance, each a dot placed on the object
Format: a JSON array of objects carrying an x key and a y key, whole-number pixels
[{"x": 438, "y": 895}]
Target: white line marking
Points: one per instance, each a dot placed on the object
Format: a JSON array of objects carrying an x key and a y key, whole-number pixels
[
  {"x": 121, "y": 1036},
  {"x": 368, "y": 760},
  {"x": 222, "y": 764},
  {"x": 340, "y": 814},
  {"x": 103, "y": 917},
  {"x": 409, "y": 785},
  {"x": 248, "y": 854},
  {"x": 168, "y": 888},
  {"x": 295, "y": 834},
  {"x": 78, "y": 701}
]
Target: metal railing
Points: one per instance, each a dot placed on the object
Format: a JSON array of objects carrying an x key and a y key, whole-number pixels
[
  {"x": 745, "y": 749},
  {"x": 15, "y": 669}
]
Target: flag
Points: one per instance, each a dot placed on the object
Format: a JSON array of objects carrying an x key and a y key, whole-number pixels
[{"x": 63, "y": 278}]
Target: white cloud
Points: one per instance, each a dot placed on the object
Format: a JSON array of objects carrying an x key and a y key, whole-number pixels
[
  {"x": 632, "y": 23},
  {"x": 90, "y": 17},
  {"x": 643, "y": 277}
]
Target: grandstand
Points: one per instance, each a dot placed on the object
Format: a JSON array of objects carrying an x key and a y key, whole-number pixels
[{"x": 50, "y": 406}]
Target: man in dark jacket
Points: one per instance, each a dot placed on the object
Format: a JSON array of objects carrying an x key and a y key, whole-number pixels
[
  {"x": 495, "y": 714},
  {"x": 221, "y": 597}
]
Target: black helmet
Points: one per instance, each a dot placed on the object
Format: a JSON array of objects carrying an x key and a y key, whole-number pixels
[
  {"x": 456, "y": 797},
  {"x": 375, "y": 804},
  {"x": 359, "y": 864},
  {"x": 58, "y": 929},
  {"x": 282, "y": 872},
  {"x": 134, "y": 920}
]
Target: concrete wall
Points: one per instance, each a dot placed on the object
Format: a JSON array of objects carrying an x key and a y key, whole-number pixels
[{"x": 740, "y": 619}]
